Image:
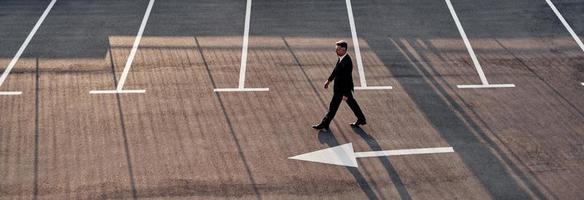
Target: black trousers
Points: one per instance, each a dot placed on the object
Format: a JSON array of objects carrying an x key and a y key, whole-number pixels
[{"x": 336, "y": 102}]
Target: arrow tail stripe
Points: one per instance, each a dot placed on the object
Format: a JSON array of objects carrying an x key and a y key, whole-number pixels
[{"x": 404, "y": 152}]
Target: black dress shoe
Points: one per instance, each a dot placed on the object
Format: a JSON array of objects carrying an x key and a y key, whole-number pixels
[
  {"x": 320, "y": 127},
  {"x": 358, "y": 123}
]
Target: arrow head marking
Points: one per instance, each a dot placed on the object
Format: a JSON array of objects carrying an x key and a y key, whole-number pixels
[{"x": 343, "y": 155}]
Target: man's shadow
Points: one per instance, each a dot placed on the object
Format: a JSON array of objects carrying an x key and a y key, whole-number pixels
[
  {"x": 327, "y": 137},
  {"x": 391, "y": 172}
]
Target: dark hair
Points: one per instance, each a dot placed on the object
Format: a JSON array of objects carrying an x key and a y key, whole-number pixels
[{"x": 342, "y": 44}]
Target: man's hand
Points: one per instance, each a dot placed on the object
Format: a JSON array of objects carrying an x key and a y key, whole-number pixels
[{"x": 326, "y": 84}]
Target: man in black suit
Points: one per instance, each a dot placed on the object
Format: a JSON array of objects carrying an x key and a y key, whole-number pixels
[{"x": 343, "y": 89}]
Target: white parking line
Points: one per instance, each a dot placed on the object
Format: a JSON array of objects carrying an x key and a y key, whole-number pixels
[
  {"x": 565, "y": 23},
  {"x": 568, "y": 27},
  {"x": 120, "y": 88},
  {"x": 23, "y": 47},
  {"x": 116, "y": 91},
  {"x": 242, "y": 90},
  {"x": 14, "y": 93},
  {"x": 487, "y": 86},
  {"x": 360, "y": 68},
  {"x": 243, "y": 64},
  {"x": 485, "y": 83}
]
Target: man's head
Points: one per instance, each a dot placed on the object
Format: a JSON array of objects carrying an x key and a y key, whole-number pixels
[{"x": 341, "y": 48}]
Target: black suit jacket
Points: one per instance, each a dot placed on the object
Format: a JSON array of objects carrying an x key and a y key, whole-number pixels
[{"x": 342, "y": 75}]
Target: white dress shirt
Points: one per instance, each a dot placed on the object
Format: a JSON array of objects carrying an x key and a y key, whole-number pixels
[{"x": 341, "y": 57}]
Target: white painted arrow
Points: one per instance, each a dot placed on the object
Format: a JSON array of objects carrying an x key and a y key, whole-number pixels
[{"x": 344, "y": 155}]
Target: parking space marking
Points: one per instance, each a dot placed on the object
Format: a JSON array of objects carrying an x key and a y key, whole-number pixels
[
  {"x": 23, "y": 47},
  {"x": 243, "y": 64},
  {"x": 568, "y": 27},
  {"x": 13, "y": 93},
  {"x": 565, "y": 23},
  {"x": 241, "y": 89},
  {"x": 360, "y": 68},
  {"x": 116, "y": 91},
  {"x": 477, "y": 64},
  {"x": 120, "y": 88}
]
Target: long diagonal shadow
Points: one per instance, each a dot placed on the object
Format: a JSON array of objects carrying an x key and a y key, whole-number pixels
[
  {"x": 231, "y": 129},
  {"x": 442, "y": 111},
  {"x": 521, "y": 175},
  {"x": 391, "y": 172},
  {"x": 127, "y": 148}
]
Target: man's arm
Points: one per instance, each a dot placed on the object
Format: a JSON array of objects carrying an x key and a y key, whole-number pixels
[
  {"x": 334, "y": 73},
  {"x": 332, "y": 76}
]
